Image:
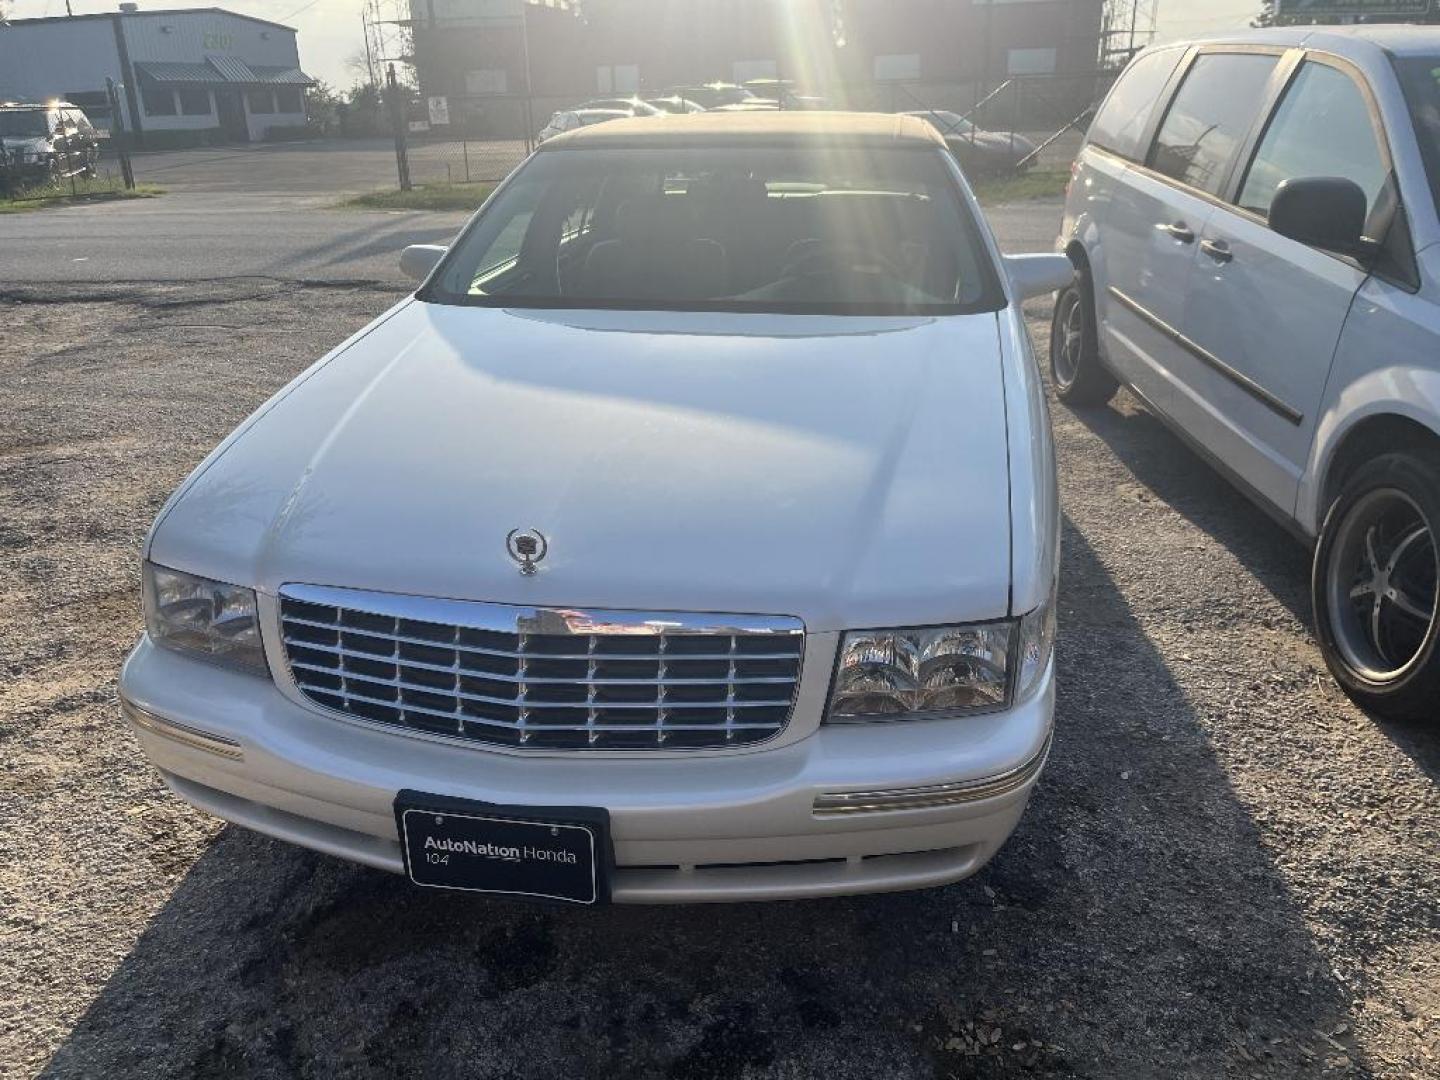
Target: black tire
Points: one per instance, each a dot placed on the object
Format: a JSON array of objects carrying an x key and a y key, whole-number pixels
[
  {"x": 1373, "y": 586},
  {"x": 1076, "y": 370}
]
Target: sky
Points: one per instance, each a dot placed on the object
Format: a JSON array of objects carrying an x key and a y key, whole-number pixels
[
  {"x": 1177, "y": 19},
  {"x": 330, "y": 29}
]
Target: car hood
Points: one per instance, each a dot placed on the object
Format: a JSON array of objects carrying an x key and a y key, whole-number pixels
[{"x": 850, "y": 471}]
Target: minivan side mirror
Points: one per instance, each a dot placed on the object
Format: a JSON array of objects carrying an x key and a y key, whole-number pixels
[
  {"x": 1323, "y": 211},
  {"x": 417, "y": 260},
  {"x": 1038, "y": 275}
]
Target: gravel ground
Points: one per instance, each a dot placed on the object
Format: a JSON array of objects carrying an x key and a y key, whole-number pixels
[{"x": 1227, "y": 870}]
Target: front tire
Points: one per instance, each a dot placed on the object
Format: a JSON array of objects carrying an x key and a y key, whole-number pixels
[
  {"x": 1373, "y": 586},
  {"x": 1076, "y": 371}
]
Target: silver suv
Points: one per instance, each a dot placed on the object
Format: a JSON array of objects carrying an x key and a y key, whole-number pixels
[
  {"x": 1254, "y": 221},
  {"x": 43, "y": 143}
]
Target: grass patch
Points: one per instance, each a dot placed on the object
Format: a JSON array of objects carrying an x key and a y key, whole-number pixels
[
  {"x": 1036, "y": 184},
  {"x": 425, "y": 197},
  {"x": 44, "y": 198}
]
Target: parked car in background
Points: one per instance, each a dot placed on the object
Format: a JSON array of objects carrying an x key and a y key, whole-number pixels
[
  {"x": 631, "y": 106},
  {"x": 783, "y": 93},
  {"x": 677, "y": 105},
  {"x": 570, "y": 119},
  {"x": 690, "y": 535},
  {"x": 979, "y": 151},
  {"x": 721, "y": 95},
  {"x": 41, "y": 143},
  {"x": 1254, "y": 222}
]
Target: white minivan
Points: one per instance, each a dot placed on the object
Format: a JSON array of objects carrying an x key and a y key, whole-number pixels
[
  {"x": 691, "y": 534},
  {"x": 1253, "y": 220}
]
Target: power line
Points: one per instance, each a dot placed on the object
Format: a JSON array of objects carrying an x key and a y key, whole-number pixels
[{"x": 303, "y": 7}]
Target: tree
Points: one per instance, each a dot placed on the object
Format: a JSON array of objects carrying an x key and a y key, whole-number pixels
[
  {"x": 357, "y": 64},
  {"x": 360, "y": 113},
  {"x": 322, "y": 105}
]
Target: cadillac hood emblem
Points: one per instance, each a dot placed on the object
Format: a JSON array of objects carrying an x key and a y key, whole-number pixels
[{"x": 527, "y": 547}]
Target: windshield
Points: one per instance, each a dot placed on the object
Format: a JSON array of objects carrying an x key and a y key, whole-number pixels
[
  {"x": 726, "y": 228},
  {"x": 25, "y": 124},
  {"x": 1420, "y": 79}
]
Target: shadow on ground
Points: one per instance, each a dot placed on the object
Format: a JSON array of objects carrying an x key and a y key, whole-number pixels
[
  {"x": 1133, "y": 927},
  {"x": 1181, "y": 479}
]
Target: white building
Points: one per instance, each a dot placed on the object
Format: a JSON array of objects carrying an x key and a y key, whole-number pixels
[{"x": 184, "y": 75}]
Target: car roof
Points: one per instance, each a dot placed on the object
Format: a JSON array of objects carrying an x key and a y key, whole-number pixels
[
  {"x": 768, "y": 128},
  {"x": 1400, "y": 39}
]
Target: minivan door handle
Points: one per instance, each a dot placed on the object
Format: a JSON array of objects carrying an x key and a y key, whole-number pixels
[
  {"x": 1217, "y": 250},
  {"x": 1180, "y": 231}
]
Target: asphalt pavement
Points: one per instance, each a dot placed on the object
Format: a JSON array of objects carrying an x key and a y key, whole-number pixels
[
  {"x": 198, "y": 235},
  {"x": 195, "y": 236}
]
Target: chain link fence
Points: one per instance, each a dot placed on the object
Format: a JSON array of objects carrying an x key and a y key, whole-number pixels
[
  {"x": 36, "y": 177},
  {"x": 1044, "y": 115},
  {"x": 435, "y": 159}
]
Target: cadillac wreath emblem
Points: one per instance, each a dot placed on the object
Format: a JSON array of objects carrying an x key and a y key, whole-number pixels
[{"x": 527, "y": 547}]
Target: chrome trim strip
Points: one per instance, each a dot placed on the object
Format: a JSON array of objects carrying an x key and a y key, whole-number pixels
[
  {"x": 181, "y": 733},
  {"x": 1240, "y": 379},
  {"x": 833, "y": 804},
  {"x": 512, "y": 619},
  {"x": 291, "y": 620},
  {"x": 519, "y": 701},
  {"x": 491, "y": 676}
]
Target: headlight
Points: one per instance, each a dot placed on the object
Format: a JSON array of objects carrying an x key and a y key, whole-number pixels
[
  {"x": 922, "y": 672},
  {"x": 204, "y": 618}
]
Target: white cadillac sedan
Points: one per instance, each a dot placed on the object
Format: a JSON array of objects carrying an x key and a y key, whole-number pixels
[{"x": 690, "y": 535}]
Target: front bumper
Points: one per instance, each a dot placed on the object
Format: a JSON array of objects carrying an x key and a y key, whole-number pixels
[{"x": 689, "y": 827}]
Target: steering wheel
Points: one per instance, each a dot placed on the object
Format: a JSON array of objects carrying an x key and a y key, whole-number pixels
[{"x": 831, "y": 259}]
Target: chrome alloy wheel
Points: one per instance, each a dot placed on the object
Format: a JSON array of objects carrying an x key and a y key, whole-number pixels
[
  {"x": 1381, "y": 585},
  {"x": 1071, "y": 346}
]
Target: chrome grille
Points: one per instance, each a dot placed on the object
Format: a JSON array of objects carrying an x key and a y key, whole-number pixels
[{"x": 543, "y": 678}]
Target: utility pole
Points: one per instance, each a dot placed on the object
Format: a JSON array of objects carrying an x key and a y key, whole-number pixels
[
  {"x": 529, "y": 92},
  {"x": 369, "y": 57},
  {"x": 400, "y": 124}
]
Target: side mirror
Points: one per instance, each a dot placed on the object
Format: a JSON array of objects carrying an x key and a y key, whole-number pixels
[
  {"x": 417, "y": 260},
  {"x": 1323, "y": 211},
  {"x": 1038, "y": 275}
]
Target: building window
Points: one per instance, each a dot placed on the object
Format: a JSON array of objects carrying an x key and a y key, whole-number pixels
[
  {"x": 617, "y": 78},
  {"x": 897, "y": 66},
  {"x": 158, "y": 100},
  {"x": 287, "y": 100},
  {"x": 260, "y": 102},
  {"x": 487, "y": 81},
  {"x": 1030, "y": 62},
  {"x": 194, "y": 101}
]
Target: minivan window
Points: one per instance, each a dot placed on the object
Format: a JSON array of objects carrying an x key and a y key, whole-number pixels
[
  {"x": 1212, "y": 113},
  {"x": 1120, "y": 124},
  {"x": 832, "y": 230},
  {"x": 1420, "y": 80},
  {"x": 1322, "y": 128}
]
